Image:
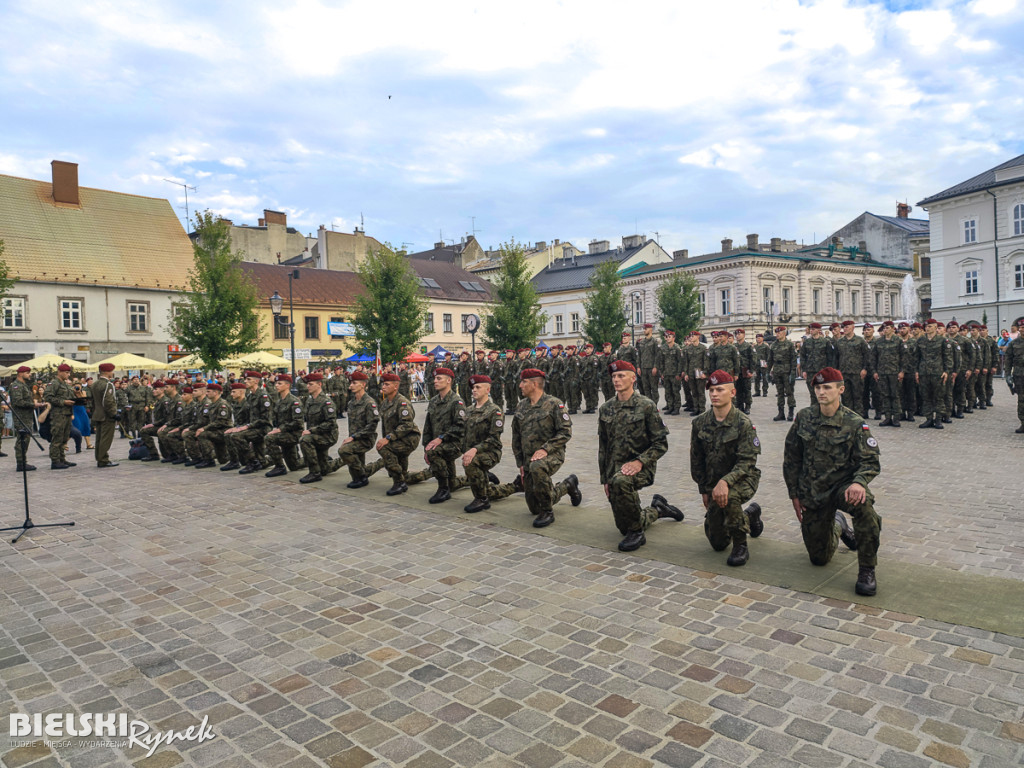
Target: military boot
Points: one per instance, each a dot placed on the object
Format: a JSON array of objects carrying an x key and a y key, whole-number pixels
[
  {"x": 895, "y": 421},
  {"x": 781, "y": 416},
  {"x": 665, "y": 510},
  {"x": 230, "y": 466},
  {"x": 886, "y": 422},
  {"x": 866, "y": 584},
  {"x": 573, "y": 487},
  {"x": 753, "y": 513},
  {"x": 477, "y": 505},
  {"x": 790, "y": 416},
  {"x": 958, "y": 413},
  {"x": 24, "y": 468},
  {"x": 1018, "y": 431},
  {"x": 740, "y": 554},
  {"x": 442, "y": 493},
  {"x": 925, "y": 424},
  {"x": 846, "y": 533},
  {"x": 358, "y": 483},
  {"x": 277, "y": 471},
  {"x": 633, "y": 541}
]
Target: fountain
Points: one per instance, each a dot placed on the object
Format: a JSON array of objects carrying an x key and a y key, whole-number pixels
[{"x": 908, "y": 298}]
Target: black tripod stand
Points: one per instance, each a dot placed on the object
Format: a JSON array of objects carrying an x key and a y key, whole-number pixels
[{"x": 24, "y": 435}]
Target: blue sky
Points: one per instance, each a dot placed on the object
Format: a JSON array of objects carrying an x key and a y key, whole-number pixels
[{"x": 543, "y": 120}]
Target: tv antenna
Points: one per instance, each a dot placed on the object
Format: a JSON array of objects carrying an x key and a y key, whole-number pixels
[
  {"x": 187, "y": 188},
  {"x": 473, "y": 228}
]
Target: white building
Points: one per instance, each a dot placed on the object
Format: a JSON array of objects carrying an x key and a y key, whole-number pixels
[{"x": 977, "y": 247}]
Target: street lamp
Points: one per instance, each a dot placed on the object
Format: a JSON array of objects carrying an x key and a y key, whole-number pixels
[{"x": 276, "y": 305}]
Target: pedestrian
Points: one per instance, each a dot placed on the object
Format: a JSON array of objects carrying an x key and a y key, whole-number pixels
[
  {"x": 829, "y": 459},
  {"x": 887, "y": 363},
  {"x": 670, "y": 367}
]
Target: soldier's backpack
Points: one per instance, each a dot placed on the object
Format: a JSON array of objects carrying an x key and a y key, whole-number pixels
[{"x": 138, "y": 450}]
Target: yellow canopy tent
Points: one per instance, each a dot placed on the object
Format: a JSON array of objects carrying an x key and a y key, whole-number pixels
[
  {"x": 126, "y": 361},
  {"x": 43, "y": 361},
  {"x": 262, "y": 359},
  {"x": 189, "y": 361}
]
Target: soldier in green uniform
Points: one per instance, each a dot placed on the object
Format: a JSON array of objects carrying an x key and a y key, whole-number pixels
[
  {"x": 541, "y": 361},
  {"x": 239, "y": 403},
  {"x": 1013, "y": 370},
  {"x": 571, "y": 383},
  {"x": 404, "y": 381},
  {"x": 182, "y": 418},
  {"x": 781, "y": 364},
  {"x": 248, "y": 436},
  {"x": 761, "y": 361},
  {"x": 984, "y": 363},
  {"x": 605, "y": 378},
  {"x": 363, "y": 416},
  {"x": 496, "y": 373},
  {"x": 974, "y": 367},
  {"x": 871, "y": 398},
  {"x": 816, "y": 353},
  {"x": 670, "y": 365},
  {"x": 854, "y": 361},
  {"x": 965, "y": 369},
  {"x": 158, "y": 417},
  {"x": 908, "y": 387},
  {"x": 321, "y": 432},
  {"x": 948, "y": 406},
  {"x": 23, "y": 408},
  {"x": 590, "y": 377},
  {"x": 993, "y": 366},
  {"x": 723, "y": 463},
  {"x": 399, "y": 436},
  {"x": 541, "y": 428},
  {"x": 135, "y": 410},
  {"x": 428, "y": 376},
  {"x": 121, "y": 399},
  {"x": 104, "y": 414},
  {"x": 631, "y": 437},
  {"x": 722, "y": 356},
  {"x": 443, "y": 430},
  {"x": 170, "y": 415},
  {"x": 556, "y": 374},
  {"x": 61, "y": 397},
  {"x": 647, "y": 357},
  {"x": 198, "y": 417},
  {"x": 626, "y": 351},
  {"x": 212, "y": 444},
  {"x": 887, "y": 363},
  {"x": 748, "y": 364},
  {"x": 829, "y": 459},
  {"x": 462, "y": 373},
  {"x": 337, "y": 387},
  {"x": 481, "y": 446},
  {"x": 696, "y": 361},
  {"x": 283, "y": 440}
]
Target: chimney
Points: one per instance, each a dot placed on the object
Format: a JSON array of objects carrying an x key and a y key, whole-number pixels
[
  {"x": 751, "y": 242},
  {"x": 262, "y": 222},
  {"x": 903, "y": 210},
  {"x": 681, "y": 255},
  {"x": 776, "y": 244},
  {"x": 274, "y": 217},
  {"x": 65, "y": 182},
  {"x": 557, "y": 241},
  {"x": 599, "y": 246},
  {"x": 439, "y": 245},
  {"x": 726, "y": 244},
  {"x": 541, "y": 245}
]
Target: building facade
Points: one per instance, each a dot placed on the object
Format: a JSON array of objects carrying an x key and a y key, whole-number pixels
[{"x": 538, "y": 256}]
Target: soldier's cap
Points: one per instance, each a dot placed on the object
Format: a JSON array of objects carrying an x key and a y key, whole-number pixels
[
  {"x": 510, "y": 351},
  {"x": 215, "y": 387},
  {"x": 158, "y": 384},
  {"x": 982, "y": 327},
  {"x": 889, "y": 324},
  {"x": 493, "y": 352},
  {"x": 238, "y": 385},
  {"x": 739, "y": 330},
  {"x": 916, "y": 325},
  {"x": 588, "y": 345},
  {"x": 930, "y": 320},
  {"x": 339, "y": 368},
  {"x": 648, "y": 325},
  {"x": 828, "y": 376},
  {"x": 315, "y": 377},
  {"x": 479, "y": 379},
  {"x": 952, "y": 324},
  {"x": 781, "y": 329},
  {"x": 759, "y": 336},
  {"x": 905, "y": 325},
  {"x": 815, "y": 325},
  {"x": 64, "y": 367},
  {"x": 464, "y": 353},
  {"x": 523, "y": 349},
  {"x": 288, "y": 378},
  {"x": 626, "y": 334},
  {"x": 481, "y": 351},
  {"x": 24, "y": 369},
  {"x": 695, "y": 333},
  {"x": 355, "y": 376},
  {"x": 447, "y": 354},
  {"x": 621, "y": 365},
  {"x": 606, "y": 344},
  {"x": 571, "y": 348},
  {"x": 559, "y": 347},
  {"x": 719, "y": 377},
  {"x": 444, "y": 372},
  {"x": 847, "y": 323},
  {"x": 939, "y": 324},
  {"x": 106, "y": 367},
  {"x": 170, "y": 383},
  {"x": 531, "y": 373},
  {"x": 868, "y": 325},
  {"x": 670, "y": 333},
  {"x": 833, "y": 326},
  {"x": 187, "y": 391},
  {"x": 200, "y": 384},
  {"x": 252, "y": 375},
  {"x": 390, "y": 377}
]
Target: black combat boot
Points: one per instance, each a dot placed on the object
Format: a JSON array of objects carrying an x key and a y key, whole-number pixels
[
  {"x": 981, "y": 406},
  {"x": 277, "y": 471},
  {"x": 740, "y": 554},
  {"x": 866, "y": 584},
  {"x": 937, "y": 424},
  {"x": 493, "y": 479},
  {"x": 1018, "y": 431},
  {"x": 781, "y": 416},
  {"x": 633, "y": 541},
  {"x": 753, "y": 513},
  {"x": 24, "y": 468},
  {"x": 573, "y": 487},
  {"x": 968, "y": 409},
  {"x": 442, "y": 493},
  {"x": 790, "y": 416},
  {"x": 359, "y": 483},
  {"x": 908, "y": 417},
  {"x": 925, "y": 424},
  {"x": 957, "y": 413},
  {"x": 846, "y": 533},
  {"x": 230, "y": 466},
  {"x": 887, "y": 422},
  {"x": 946, "y": 420},
  {"x": 477, "y": 505},
  {"x": 665, "y": 510},
  {"x": 895, "y": 422}
]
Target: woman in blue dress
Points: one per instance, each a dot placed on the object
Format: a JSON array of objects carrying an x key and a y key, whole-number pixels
[{"x": 80, "y": 414}]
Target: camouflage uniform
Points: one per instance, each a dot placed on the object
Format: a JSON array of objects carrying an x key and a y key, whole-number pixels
[
  {"x": 949, "y": 396},
  {"x": 56, "y": 393},
  {"x": 933, "y": 357},
  {"x": 428, "y": 376},
  {"x": 887, "y": 363},
  {"x": 908, "y": 390},
  {"x": 590, "y": 379},
  {"x": 748, "y": 365},
  {"x": 630, "y": 430},
  {"x": 182, "y": 418},
  {"x": 121, "y": 397},
  {"x": 322, "y": 423},
  {"x": 398, "y": 427},
  {"x": 556, "y": 375},
  {"x": 513, "y": 368},
  {"x": 23, "y": 407},
  {"x": 761, "y": 379},
  {"x": 462, "y": 374},
  {"x": 994, "y": 346},
  {"x": 172, "y": 421},
  {"x": 573, "y": 382},
  {"x": 725, "y": 450},
  {"x": 647, "y": 352},
  {"x": 140, "y": 398},
  {"x": 628, "y": 353},
  {"x": 282, "y": 447},
  {"x": 248, "y": 444},
  {"x": 782, "y": 364},
  {"x": 546, "y": 425},
  {"x": 158, "y": 416},
  {"x": 200, "y": 417},
  {"x": 823, "y": 457},
  {"x": 446, "y": 419},
  {"x": 1014, "y": 369},
  {"x": 852, "y": 357},
  {"x": 815, "y": 354},
  {"x": 496, "y": 370},
  {"x": 605, "y": 376},
  {"x": 671, "y": 364},
  {"x": 723, "y": 357},
  {"x": 484, "y": 425},
  {"x": 212, "y": 442},
  {"x": 965, "y": 373},
  {"x": 404, "y": 383},
  {"x": 363, "y": 416},
  {"x": 695, "y": 358}
]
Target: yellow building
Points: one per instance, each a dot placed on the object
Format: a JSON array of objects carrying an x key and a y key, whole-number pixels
[{"x": 538, "y": 256}]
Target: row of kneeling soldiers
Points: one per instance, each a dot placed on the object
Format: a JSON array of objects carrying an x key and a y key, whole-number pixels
[{"x": 830, "y": 454}]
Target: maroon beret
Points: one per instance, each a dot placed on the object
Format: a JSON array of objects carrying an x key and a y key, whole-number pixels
[
  {"x": 621, "y": 365},
  {"x": 848, "y": 322},
  {"x": 170, "y": 382},
  {"x": 815, "y": 325},
  {"x": 63, "y": 367},
  {"x": 358, "y": 376},
  {"x": 648, "y": 325},
  {"x": 390, "y": 377},
  {"x": 314, "y": 377},
  {"x": 930, "y": 320},
  {"x": 444, "y": 372},
  {"x": 868, "y": 325},
  {"x": 199, "y": 384},
  {"x": 24, "y": 369},
  {"x": 479, "y": 379},
  {"x": 481, "y": 351},
  {"x": 952, "y": 324},
  {"x": 187, "y": 391},
  {"x": 252, "y": 374},
  {"x": 215, "y": 387},
  {"x": 158, "y": 384},
  {"x": 828, "y": 376},
  {"x": 889, "y": 324},
  {"x": 906, "y": 325},
  {"x": 284, "y": 377},
  {"x": 522, "y": 349},
  {"x": 106, "y": 367},
  {"x": 670, "y": 333},
  {"x": 916, "y": 325},
  {"x": 833, "y": 326},
  {"x": 719, "y": 377},
  {"x": 781, "y": 329},
  {"x": 531, "y": 373},
  {"x": 739, "y": 330},
  {"x": 238, "y": 385},
  {"x": 982, "y": 327},
  {"x": 939, "y": 324}
]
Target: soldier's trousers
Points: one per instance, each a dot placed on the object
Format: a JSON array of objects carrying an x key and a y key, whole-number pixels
[
  {"x": 1018, "y": 384},
  {"x": 147, "y": 434},
  {"x": 476, "y": 475},
  {"x": 871, "y": 392},
  {"x": 498, "y": 394},
  {"x": 960, "y": 390},
  {"x": 988, "y": 385},
  {"x": 607, "y": 390},
  {"x": 696, "y": 389},
  {"x": 512, "y": 393},
  {"x": 650, "y": 382},
  {"x": 853, "y": 395},
  {"x": 21, "y": 442},
  {"x": 442, "y": 461},
  {"x": 173, "y": 443},
  {"x": 213, "y": 445},
  {"x": 575, "y": 395},
  {"x": 282, "y": 448},
  {"x": 590, "y": 395},
  {"x": 762, "y": 381},
  {"x": 246, "y": 446},
  {"x": 541, "y": 493},
  {"x": 60, "y": 433},
  {"x": 394, "y": 457},
  {"x": 672, "y": 399},
  {"x": 908, "y": 394},
  {"x": 624, "y": 496},
  {"x": 947, "y": 396},
  {"x": 783, "y": 390},
  {"x": 889, "y": 390},
  {"x": 809, "y": 381},
  {"x": 821, "y": 531},
  {"x": 314, "y": 451},
  {"x": 933, "y": 391},
  {"x": 743, "y": 397},
  {"x": 723, "y": 525},
  {"x": 138, "y": 419},
  {"x": 353, "y": 456}
]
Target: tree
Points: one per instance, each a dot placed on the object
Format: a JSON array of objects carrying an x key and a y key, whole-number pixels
[
  {"x": 679, "y": 304},
  {"x": 5, "y": 281},
  {"x": 516, "y": 319},
  {"x": 392, "y": 309},
  {"x": 217, "y": 317},
  {"x": 605, "y": 319}
]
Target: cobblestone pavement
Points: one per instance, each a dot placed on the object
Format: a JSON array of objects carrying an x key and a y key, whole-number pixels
[{"x": 313, "y": 627}]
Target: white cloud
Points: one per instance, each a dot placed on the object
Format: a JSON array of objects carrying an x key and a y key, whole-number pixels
[
  {"x": 735, "y": 155},
  {"x": 233, "y": 162},
  {"x": 993, "y": 7},
  {"x": 595, "y": 133}
]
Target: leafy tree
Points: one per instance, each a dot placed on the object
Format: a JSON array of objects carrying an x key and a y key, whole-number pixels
[
  {"x": 391, "y": 308},
  {"x": 605, "y": 319},
  {"x": 217, "y": 317},
  {"x": 679, "y": 304},
  {"x": 516, "y": 319},
  {"x": 5, "y": 280}
]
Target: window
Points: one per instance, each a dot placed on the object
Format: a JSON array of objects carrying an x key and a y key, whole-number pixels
[
  {"x": 13, "y": 313},
  {"x": 471, "y": 285},
  {"x": 894, "y": 304},
  {"x": 787, "y": 294},
  {"x": 558, "y": 324},
  {"x": 70, "y": 314},
  {"x": 447, "y": 322},
  {"x": 575, "y": 322},
  {"x": 970, "y": 231},
  {"x": 816, "y": 301},
  {"x": 138, "y": 316},
  {"x": 839, "y": 303},
  {"x": 1018, "y": 219},
  {"x": 281, "y": 328},
  {"x": 702, "y": 300},
  {"x": 1018, "y": 280},
  {"x": 767, "y": 299},
  {"x": 336, "y": 320},
  {"x": 638, "y": 309},
  {"x": 725, "y": 294},
  {"x": 854, "y": 302},
  {"x": 971, "y": 281},
  {"x": 878, "y": 303},
  {"x": 312, "y": 327},
  {"x": 428, "y": 282},
  {"x": 428, "y": 323}
]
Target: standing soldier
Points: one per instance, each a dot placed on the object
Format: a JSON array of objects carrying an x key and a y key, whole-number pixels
[
  {"x": 590, "y": 377},
  {"x": 1014, "y": 373},
  {"x": 970, "y": 336},
  {"x": 554, "y": 377},
  {"x": 965, "y": 369},
  {"x": 399, "y": 436},
  {"x": 761, "y": 381},
  {"x": 722, "y": 356},
  {"x": 481, "y": 446},
  {"x": 337, "y": 386},
  {"x": 748, "y": 363},
  {"x": 23, "y": 406},
  {"x": 993, "y": 364},
  {"x": 541, "y": 360},
  {"x": 887, "y": 362},
  {"x": 496, "y": 373},
  {"x": 462, "y": 374},
  {"x": 830, "y": 457},
  {"x": 854, "y": 360},
  {"x": 933, "y": 357},
  {"x": 404, "y": 381},
  {"x": 159, "y": 417},
  {"x": 363, "y": 416},
  {"x": 443, "y": 430},
  {"x": 626, "y": 351},
  {"x": 647, "y": 354},
  {"x": 815, "y": 353},
  {"x": 121, "y": 395},
  {"x": 321, "y": 432},
  {"x": 428, "y": 375},
  {"x": 723, "y": 463},
  {"x": 983, "y": 369},
  {"x": 104, "y": 414},
  {"x": 61, "y": 396},
  {"x": 908, "y": 385},
  {"x": 541, "y": 429},
  {"x": 605, "y": 377},
  {"x": 140, "y": 398},
  {"x": 571, "y": 380},
  {"x": 870, "y": 387},
  {"x": 283, "y": 440},
  {"x": 512, "y": 370},
  {"x": 948, "y": 408},
  {"x": 631, "y": 437},
  {"x": 212, "y": 443},
  {"x": 781, "y": 364},
  {"x": 696, "y": 361},
  {"x": 670, "y": 365}
]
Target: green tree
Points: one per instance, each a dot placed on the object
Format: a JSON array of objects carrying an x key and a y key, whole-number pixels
[
  {"x": 217, "y": 317},
  {"x": 516, "y": 319},
  {"x": 679, "y": 304},
  {"x": 392, "y": 308},
  {"x": 5, "y": 280},
  {"x": 605, "y": 318}
]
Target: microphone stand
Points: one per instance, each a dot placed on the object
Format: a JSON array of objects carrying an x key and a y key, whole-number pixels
[{"x": 24, "y": 435}]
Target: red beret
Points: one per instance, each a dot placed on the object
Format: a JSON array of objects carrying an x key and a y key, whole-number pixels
[
  {"x": 916, "y": 325},
  {"x": 479, "y": 379},
  {"x": 606, "y": 344},
  {"x": 106, "y": 367},
  {"x": 904, "y": 325},
  {"x": 739, "y": 330},
  {"x": 868, "y": 325},
  {"x": 493, "y": 352},
  {"x": 199, "y": 384},
  {"x": 952, "y": 324},
  {"x": 252, "y": 374},
  {"x": 648, "y": 325},
  {"x": 358, "y": 376},
  {"x": 481, "y": 351},
  {"x": 158, "y": 384},
  {"x": 510, "y": 351},
  {"x": 815, "y": 325},
  {"x": 284, "y": 377},
  {"x": 170, "y": 382},
  {"x": 531, "y": 373},
  {"x": 889, "y": 324},
  {"x": 24, "y": 369},
  {"x": 827, "y": 376},
  {"x": 390, "y": 377},
  {"x": 939, "y": 324},
  {"x": 591, "y": 346},
  {"x": 215, "y": 387},
  {"x": 982, "y": 327},
  {"x": 930, "y": 320},
  {"x": 626, "y": 334},
  {"x": 314, "y": 377},
  {"x": 670, "y": 333},
  {"x": 464, "y": 352},
  {"x": 719, "y": 377},
  {"x": 781, "y": 329},
  {"x": 572, "y": 347},
  {"x": 444, "y": 372},
  {"x": 187, "y": 391},
  {"x": 833, "y": 326},
  {"x": 621, "y": 365},
  {"x": 63, "y": 367},
  {"x": 848, "y": 322},
  {"x": 522, "y": 349},
  {"x": 238, "y": 385}
]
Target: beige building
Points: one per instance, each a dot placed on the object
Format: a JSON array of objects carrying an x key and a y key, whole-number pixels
[
  {"x": 97, "y": 272},
  {"x": 342, "y": 251},
  {"x": 538, "y": 256},
  {"x": 271, "y": 241}
]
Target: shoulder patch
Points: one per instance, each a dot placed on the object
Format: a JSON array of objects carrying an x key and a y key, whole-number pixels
[
  {"x": 298, "y": 410},
  {"x": 405, "y": 411},
  {"x": 757, "y": 443},
  {"x": 872, "y": 442},
  {"x": 865, "y": 427},
  {"x": 462, "y": 414},
  {"x": 565, "y": 416}
]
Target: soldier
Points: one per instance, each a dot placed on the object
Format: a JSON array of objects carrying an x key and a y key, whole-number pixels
[
  {"x": 964, "y": 370},
  {"x": 239, "y": 415},
  {"x": 23, "y": 407},
  {"x": 363, "y": 417},
  {"x": 541, "y": 361},
  {"x": 696, "y": 362},
  {"x": 993, "y": 364},
  {"x": 571, "y": 380},
  {"x": 555, "y": 373},
  {"x": 782, "y": 363},
  {"x": 830, "y": 457},
  {"x": 183, "y": 416},
  {"x": 158, "y": 417},
  {"x": 496, "y": 373},
  {"x": 428, "y": 375},
  {"x": 170, "y": 415},
  {"x": 647, "y": 355},
  {"x": 104, "y": 414},
  {"x": 887, "y": 362},
  {"x": 908, "y": 388},
  {"x": 974, "y": 369},
  {"x": 61, "y": 397},
  {"x": 590, "y": 377},
  {"x": 404, "y": 382},
  {"x": 462, "y": 374},
  {"x": 722, "y": 356},
  {"x": 321, "y": 431},
  {"x": 948, "y": 407},
  {"x": 212, "y": 444},
  {"x": 121, "y": 398},
  {"x": 631, "y": 437},
  {"x": 761, "y": 357},
  {"x": 748, "y": 362},
  {"x": 399, "y": 436},
  {"x": 283, "y": 440},
  {"x": 984, "y": 368},
  {"x": 541, "y": 428},
  {"x": 443, "y": 430},
  {"x": 252, "y": 422},
  {"x": 605, "y": 377},
  {"x": 141, "y": 400},
  {"x": 626, "y": 351},
  {"x": 815, "y": 353},
  {"x": 337, "y": 389},
  {"x": 199, "y": 416},
  {"x": 670, "y": 366},
  {"x": 870, "y": 387},
  {"x": 512, "y": 377},
  {"x": 481, "y": 446},
  {"x": 1013, "y": 370},
  {"x": 723, "y": 462},
  {"x": 853, "y": 360}
]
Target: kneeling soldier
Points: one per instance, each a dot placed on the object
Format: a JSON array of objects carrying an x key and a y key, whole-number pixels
[
  {"x": 321, "y": 431},
  {"x": 283, "y": 440},
  {"x": 400, "y": 435},
  {"x": 442, "y": 434},
  {"x": 362, "y": 428},
  {"x": 211, "y": 435},
  {"x": 481, "y": 445}
]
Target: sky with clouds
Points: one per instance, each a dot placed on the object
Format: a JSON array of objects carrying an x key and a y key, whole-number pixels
[{"x": 575, "y": 119}]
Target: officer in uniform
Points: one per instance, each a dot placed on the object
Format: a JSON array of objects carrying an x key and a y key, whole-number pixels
[
  {"x": 723, "y": 463},
  {"x": 908, "y": 386},
  {"x": 170, "y": 402},
  {"x": 854, "y": 361},
  {"x": 870, "y": 387},
  {"x": 590, "y": 377},
  {"x": 199, "y": 413},
  {"x": 554, "y": 377},
  {"x": 605, "y": 378},
  {"x": 121, "y": 397},
  {"x": 481, "y": 445},
  {"x": 887, "y": 363},
  {"x": 781, "y": 364},
  {"x": 541, "y": 429},
  {"x": 462, "y": 374},
  {"x": 647, "y": 354},
  {"x": 210, "y": 435},
  {"x": 948, "y": 408},
  {"x": 815, "y": 353},
  {"x": 183, "y": 416},
  {"x": 965, "y": 369},
  {"x": 158, "y": 417},
  {"x": 23, "y": 407},
  {"x": 696, "y": 361},
  {"x": 283, "y": 440},
  {"x": 631, "y": 437},
  {"x": 321, "y": 431},
  {"x": 363, "y": 417},
  {"x": 572, "y": 380},
  {"x": 829, "y": 459},
  {"x": 994, "y": 364},
  {"x": 722, "y": 356},
  {"x": 61, "y": 397},
  {"x": 670, "y": 366},
  {"x": 984, "y": 367},
  {"x": 626, "y": 352},
  {"x": 761, "y": 362},
  {"x": 1014, "y": 372},
  {"x": 104, "y": 414},
  {"x": 512, "y": 370},
  {"x": 496, "y": 373},
  {"x": 399, "y": 436},
  {"x": 443, "y": 430}
]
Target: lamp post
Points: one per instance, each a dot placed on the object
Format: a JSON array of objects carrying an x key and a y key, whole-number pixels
[{"x": 276, "y": 305}]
